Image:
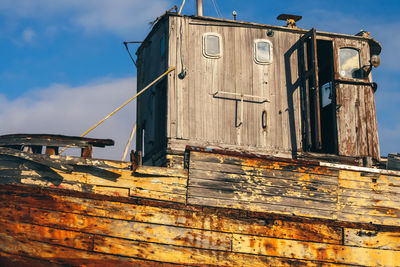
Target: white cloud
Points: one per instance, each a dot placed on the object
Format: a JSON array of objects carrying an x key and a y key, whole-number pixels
[
  {"x": 117, "y": 16},
  {"x": 62, "y": 109},
  {"x": 28, "y": 35}
]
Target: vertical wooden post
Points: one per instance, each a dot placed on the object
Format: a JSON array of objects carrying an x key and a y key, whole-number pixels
[
  {"x": 87, "y": 152},
  {"x": 199, "y": 7}
]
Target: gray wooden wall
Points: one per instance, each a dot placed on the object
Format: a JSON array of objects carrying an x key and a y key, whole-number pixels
[{"x": 196, "y": 117}]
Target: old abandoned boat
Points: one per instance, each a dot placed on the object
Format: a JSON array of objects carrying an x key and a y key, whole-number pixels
[{"x": 259, "y": 147}]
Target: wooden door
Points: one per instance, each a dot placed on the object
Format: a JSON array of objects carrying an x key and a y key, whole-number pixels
[
  {"x": 311, "y": 118},
  {"x": 356, "y": 114}
]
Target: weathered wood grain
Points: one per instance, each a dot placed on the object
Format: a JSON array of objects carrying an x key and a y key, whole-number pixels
[
  {"x": 266, "y": 188},
  {"x": 51, "y": 254},
  {"x": 315, "y": 251},
  {"x": 45, "y": 234},
  {"x": 262, "y": 163},
  {"x": 274, "y": 178},
  {"x": 372, "y": 239},
  {"x": 188, "y": 256},
  {"x": 264, "y": 207},
  {"x": 192, "y": 236},
  {"x": 89, "y": 213}
]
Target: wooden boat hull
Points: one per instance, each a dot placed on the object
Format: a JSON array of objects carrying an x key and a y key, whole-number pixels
[{"x": 153, "y": 217}]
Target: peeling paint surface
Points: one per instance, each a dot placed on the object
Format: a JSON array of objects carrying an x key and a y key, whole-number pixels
[{"x": 226, "y": 210}]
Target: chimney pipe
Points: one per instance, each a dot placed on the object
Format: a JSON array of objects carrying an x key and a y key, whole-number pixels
[{"x": 199, "y": 7}]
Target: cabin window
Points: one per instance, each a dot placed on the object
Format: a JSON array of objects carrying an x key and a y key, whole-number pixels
[
  {"x": 212, "y": 45},
  {"x": 349, "y": 59},
  {"x": 262, "y": 51}
]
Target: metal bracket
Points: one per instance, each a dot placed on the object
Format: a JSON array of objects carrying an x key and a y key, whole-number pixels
[{"x": 241, "y": 97}]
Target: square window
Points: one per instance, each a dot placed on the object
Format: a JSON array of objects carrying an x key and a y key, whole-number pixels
[
  {"x": 212, "y": 45},
  {"x": 262, "y": 51}
]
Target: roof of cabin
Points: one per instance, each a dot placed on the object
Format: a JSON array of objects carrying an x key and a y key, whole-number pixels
[{"x": 375, "y": 45}]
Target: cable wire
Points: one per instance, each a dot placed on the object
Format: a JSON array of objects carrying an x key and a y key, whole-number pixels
[
  {"x": 127, "y": 49},
  {"x": 216, "y": 8},
  {"x": 129, "y": 142},
  {"x": 180, "y": 9},
  {"x": 124, "y": 104}
]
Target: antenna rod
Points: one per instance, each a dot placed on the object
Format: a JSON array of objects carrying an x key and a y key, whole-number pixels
[{"x": 199, "y": 7}]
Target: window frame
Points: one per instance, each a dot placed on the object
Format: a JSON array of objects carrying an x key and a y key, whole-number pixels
[
  {"x": 204, "y": 49},
  {"x": 362, "y": 46},
  {"x": 359, "y": 61},
  {"x": 271, "y": 54}
]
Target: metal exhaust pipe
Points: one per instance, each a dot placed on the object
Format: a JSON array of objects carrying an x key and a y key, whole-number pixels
[{"x": 199, "y": 7}]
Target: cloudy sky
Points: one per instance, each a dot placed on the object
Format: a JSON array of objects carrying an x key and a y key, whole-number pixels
[{"x": 63, "y": 66}]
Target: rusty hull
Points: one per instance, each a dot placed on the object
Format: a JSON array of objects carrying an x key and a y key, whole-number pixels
[{"x": 223, "y": 210}]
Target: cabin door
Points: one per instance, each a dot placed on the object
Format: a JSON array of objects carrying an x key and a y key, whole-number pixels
[{"x": 318, "y": 111}]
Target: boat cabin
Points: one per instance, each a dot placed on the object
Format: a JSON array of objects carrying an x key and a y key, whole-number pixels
[{"x": 263, "y": 89}]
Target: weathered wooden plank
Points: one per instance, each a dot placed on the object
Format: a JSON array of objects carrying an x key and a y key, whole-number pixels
[
  {"x": 291, "y": 165},
  {"x": 368, "y": 202},
  {"x": 276, "y": 179},
  {"x": 55, "y": 254},
  {"x": 236, "y": 173},
  {"x": 100, "y": 163},
  {"x": 188, "y": 256},
  {"x": 262, "y": 186},
  {"x": 111, "y": 191},
  {"x": 263, "y": 207},
  {"x": 152, "y": 194},
  {"x": 161, "y": 171},
  {"x": 158, "y": 183},
  {"x": 373, "y": 195},
  {"x": 369, "y": 177},
  {"x": 86, "y": 226},
  {"x": 268, "y": 172},
  {"x": 367, "y": 218},
  {"x": 7, "y": 259},
  {"x": 376, "y": 210},
  {"x": 36, "y": 158},
  {"x": 223, "y": 221},
  {"x": 382, "y": 188},
  {"x": 52, "y": 140},
  {"x": 13, "y": 162},
  {"x": 45, "y": 234},
  {"x": 372, "y": 239},
  {"x": 257, "y": 196},
  {"x": 314, "y": 251}
]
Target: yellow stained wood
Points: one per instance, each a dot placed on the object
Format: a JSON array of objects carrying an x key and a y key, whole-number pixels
[
  {"x": 258, "y": 163},
  {"x": 145, "y": 193},
  {"x": 111, "y": 191},
  {"x": 197, "y": 220},
  {"x": 63, "y": 255},
  {"x": 46, "y": 234},
  {"x": 119, "y": 183},
  {"x": 366, "y": 217},
  {"x": 151, "y": 170},
  {"x": 370, "y": 202},
  {"x": 163, "y": 184},
  {"x": 188, "y": 256},
  {"x": 265, "y": 207},
  {"x": 372, "y": 239},
  {"x": 314, "y": 251},
  {"x": 159, "y": 233}
]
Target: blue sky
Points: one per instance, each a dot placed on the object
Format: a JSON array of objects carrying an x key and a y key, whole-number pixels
[{"x": 63, "y": 66}]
